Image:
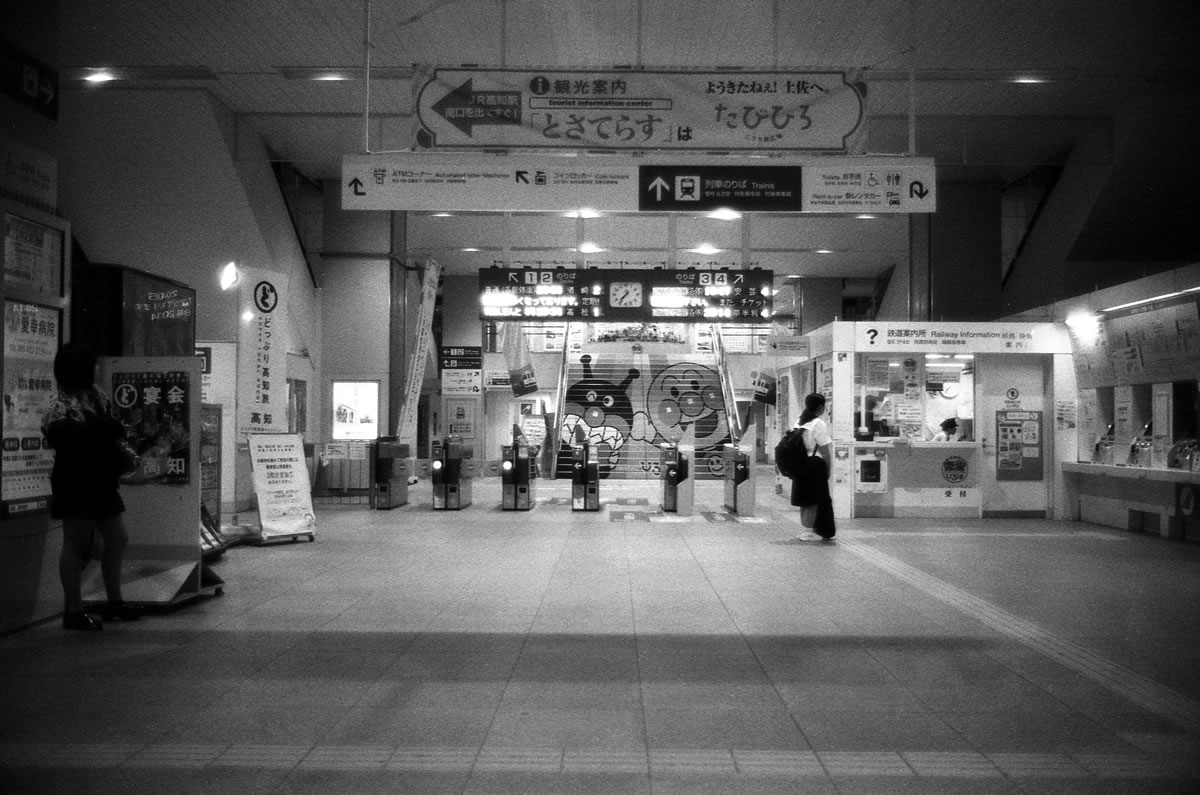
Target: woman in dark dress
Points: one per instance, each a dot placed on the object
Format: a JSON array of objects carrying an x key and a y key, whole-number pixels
[{"x": 84, "y": 485}]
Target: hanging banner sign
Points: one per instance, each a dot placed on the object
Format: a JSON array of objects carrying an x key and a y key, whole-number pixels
[
  {"x": 790, "y": 345},
  {"x": 520, "y": 365},
  {"x": 481, "y": 182},
  {"x": 639, "y": 110},
  {"x": 281, "y": 484},
  {"x": 406, "y": 429},
  {"x": 262, "y": 363},
  {"x": 951, "y": 338}
]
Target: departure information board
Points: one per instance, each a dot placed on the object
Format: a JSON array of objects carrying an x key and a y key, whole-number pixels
[{"x": 622, "y": 295}]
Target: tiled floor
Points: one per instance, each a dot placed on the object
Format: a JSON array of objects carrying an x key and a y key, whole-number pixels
[{"x": 487, "y": 651}]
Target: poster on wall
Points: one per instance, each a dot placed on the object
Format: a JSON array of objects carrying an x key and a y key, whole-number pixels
[
  {"x": 155, "y": 408},
  {"x": 31, "y": 338},
  {"x": 33, "y": 256},
  {"x": 262, "y": 363},
  {"x": 355, "y": 410},
  {"x": 281, "y": 484},
  {"x": 1019, "y": 445}
]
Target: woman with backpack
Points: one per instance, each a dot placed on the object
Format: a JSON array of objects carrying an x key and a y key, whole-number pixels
[{"x": 810, "y": 484}]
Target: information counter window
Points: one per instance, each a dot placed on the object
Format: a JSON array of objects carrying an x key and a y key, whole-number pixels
[{"x": 919, "y": 397}]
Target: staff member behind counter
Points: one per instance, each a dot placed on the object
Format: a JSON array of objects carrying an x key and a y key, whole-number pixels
[{"x": 949, "y": 432}]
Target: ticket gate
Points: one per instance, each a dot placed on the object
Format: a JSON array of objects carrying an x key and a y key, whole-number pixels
[
  {"x": 517, "y": 477},
  {"x": 739, "y": 480},
  {"x": 585, "y": 478},
  {"x": 391, "y": 474},
  {"x": 679, "y": 487},
  {"x": 451, "y": 481}
]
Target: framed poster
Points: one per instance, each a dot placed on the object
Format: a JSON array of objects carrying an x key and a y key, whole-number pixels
[
  {"x": 33, "y": 256},
  {"x": 31, "y": 339}
]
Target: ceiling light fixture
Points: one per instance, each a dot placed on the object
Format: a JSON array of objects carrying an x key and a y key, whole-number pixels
[
  {"x": 724, "y": 214},
  {"x": 1162, "y": 297},
  {"x": 705, "y": 248},
  {"x": 588, "y": 247},
  {"x": 100, "y": 76},
  {"x": 866, "y": 217},
  {"x": 582, "y": 212},
  {"x": 824, "y": 251}
]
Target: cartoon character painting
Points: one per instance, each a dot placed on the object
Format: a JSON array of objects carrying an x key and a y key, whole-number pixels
[{"x": 601, "y": 411}]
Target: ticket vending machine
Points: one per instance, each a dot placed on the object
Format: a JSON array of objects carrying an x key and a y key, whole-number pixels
[
  {"x": 517, "y": 477},
  {"x": 391, "y": 473},
  {"x": 451, "y": 483},
  {"x": 585, "y": 478},
  {"x": 679, "y": 487},
  {"x": 739, "y": 481}
]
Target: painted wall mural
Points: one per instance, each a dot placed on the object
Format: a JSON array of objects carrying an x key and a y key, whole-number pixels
[{"x": 629, "y": 406}]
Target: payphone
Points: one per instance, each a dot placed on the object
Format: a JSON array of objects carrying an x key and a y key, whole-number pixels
[
  {"x": 679, "y": 487},
  {"x": 739, "y": 481},
  {"x": 451, "y": 481}
]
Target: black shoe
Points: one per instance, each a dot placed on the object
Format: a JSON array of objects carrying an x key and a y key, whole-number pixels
[
  {"x": 122, "y": 611},
  {"x": 81, "y": 621}
]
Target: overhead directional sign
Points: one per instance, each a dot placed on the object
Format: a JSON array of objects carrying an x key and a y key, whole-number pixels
[
  {"x": 623, "y": 109},
  {"x": 749, "y": 188},
  {"x": 870, "y": 185},
  {"x": 557, "y": 183}
]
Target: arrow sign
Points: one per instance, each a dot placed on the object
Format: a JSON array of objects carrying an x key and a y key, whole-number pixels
[
  {"x": 658, "y": 186},
  {"x": 357, "y": 186},
  {"x": 523, "y": 177},
  {"x": 464, "y": 107},
  {"x": 917, "y": 190}
]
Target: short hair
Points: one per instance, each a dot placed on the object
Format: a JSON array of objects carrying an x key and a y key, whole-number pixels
[
  {"x": 75, "y": 367},
  {"x": 949, "y": 423}
]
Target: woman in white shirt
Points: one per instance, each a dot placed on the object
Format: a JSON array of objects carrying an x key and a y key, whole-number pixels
[{"x": 810, "y": 489}]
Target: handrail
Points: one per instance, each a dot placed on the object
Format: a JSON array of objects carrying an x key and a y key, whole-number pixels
[{"x": 732, "y": 417}]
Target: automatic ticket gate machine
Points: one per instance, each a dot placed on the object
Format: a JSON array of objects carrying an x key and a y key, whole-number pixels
[
  {"x": 391, "y": 473},
  {"x": 585, "y": 476},
  {"x": 679, "y": 485},
  {"x": 518, "y": 464},
  {"x": 451, "y": 473},
  {"x": 739, "y": 480}
]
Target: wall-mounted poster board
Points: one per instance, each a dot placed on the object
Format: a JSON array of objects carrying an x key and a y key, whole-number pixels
[
  {"x": 1020, "y": 445},
  {"x": 31, "y": 338}
]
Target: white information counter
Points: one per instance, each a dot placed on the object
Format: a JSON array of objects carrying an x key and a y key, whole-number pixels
[{"x": 894, "y": 478}]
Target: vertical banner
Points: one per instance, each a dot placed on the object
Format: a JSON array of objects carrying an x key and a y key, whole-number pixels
[
  {"x": 765, "y": 390},
  {"x": 406, "y": 429},
  {"x": 520, "y": 363},
  {"x": 281, "y": 484},
  {"x": 262, "y": 354},
  {"x": 155, "y": 407}
]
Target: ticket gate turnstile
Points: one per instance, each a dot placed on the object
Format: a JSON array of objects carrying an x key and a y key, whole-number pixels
[
  {"x": 451, "y": 483},
  {"x": 517, "y": 477},
  {"x": 679, "y": 487},
  {"x": 585, "y": 478},
  {"x": 391, "y": 474},
  {"x": 739, "y": 481}
]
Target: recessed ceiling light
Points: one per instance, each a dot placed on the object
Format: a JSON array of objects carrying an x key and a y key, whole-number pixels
[
  {"x": 725, "y": 214},
  {"x": 824, "y": 251},
  {"x": 100, "y": 76},
  {"x": 588, "y": 247},
  {"x": 705, "y": 248},
  {"x": 582, "y": 212},
  {"x": 471, "y": 249},
  {"x": 866, "y": 217},
  {"x": 1029, "y": 80},
  {"x": 443, "y": 215}
]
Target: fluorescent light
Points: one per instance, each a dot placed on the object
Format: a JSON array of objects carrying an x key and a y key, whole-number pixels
[
  {"x": 471, "y": 249},
  {"x": 443, "y": 215},
  {"x": 705, "y": 248},
  {"x": 588, "y": 247},
  {"x": 824, "y": 251},
  {"x": 866, "y": 217},
  {"x": 1162, "y": 297},
  {"x": 100, "y": 76},
  {"x": 582, "y": 212},
  {"x": 725, "y": 214}
]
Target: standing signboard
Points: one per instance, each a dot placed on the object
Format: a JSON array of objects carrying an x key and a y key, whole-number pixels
[
  {"x": 158, "y": 400},
  {"x": 281, "y": 484},
  {"x": 262, "y": 359}
]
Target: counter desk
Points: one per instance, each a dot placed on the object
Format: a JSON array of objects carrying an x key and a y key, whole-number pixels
[
  {"x": 1135, "y": 498},
  {"x": 894, "y": 478}
]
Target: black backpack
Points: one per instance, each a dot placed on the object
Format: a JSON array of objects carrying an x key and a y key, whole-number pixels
[{"x": 791, "y": 453}]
